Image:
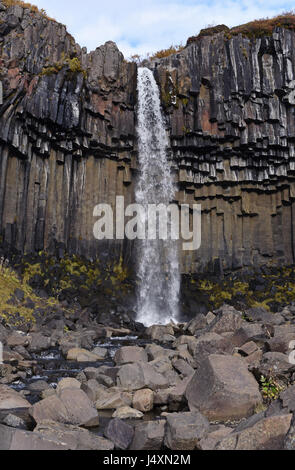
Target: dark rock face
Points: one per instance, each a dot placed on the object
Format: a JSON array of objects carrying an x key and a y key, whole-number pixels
[
  {"x": 67, "y": 140},
  {"x": 230, "y": 105},
  {"x": 66, "y": 134}
]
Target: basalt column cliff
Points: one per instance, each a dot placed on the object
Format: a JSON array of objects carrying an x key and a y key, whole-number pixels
[
  {"x": 68, "y": 141},
  {"x": 66, "y": 133}
]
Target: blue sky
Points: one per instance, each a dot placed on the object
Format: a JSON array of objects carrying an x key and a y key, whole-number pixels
[{"x": 141, "y": 26}]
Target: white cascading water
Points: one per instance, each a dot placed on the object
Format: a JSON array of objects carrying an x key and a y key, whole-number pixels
[{"x": 158, "y": 262}]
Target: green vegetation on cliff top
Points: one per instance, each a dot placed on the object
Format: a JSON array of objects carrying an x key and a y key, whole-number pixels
[{"x": 253, "y": 29}]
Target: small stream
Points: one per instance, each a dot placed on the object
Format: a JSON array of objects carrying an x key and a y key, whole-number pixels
[{"x": 51, "y": 366}]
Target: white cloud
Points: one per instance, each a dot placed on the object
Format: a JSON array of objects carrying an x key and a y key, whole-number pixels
[{"x": 139, "y": 26}]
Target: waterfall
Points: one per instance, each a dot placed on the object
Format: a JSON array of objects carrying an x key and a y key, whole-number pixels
[{"x": 158, "y": 262}]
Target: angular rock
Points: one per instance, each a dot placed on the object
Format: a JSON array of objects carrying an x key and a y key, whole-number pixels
[
  {"x": 223, "y": 388},
  {"x": 16, "y": 439},
  {"x": 196, "y": 324},
  {"x": 17, "y": 339},
  {"x": 158, "y": 332},
  {"x": 153, "y": 379},
  {"x": 191, "y": 342},
  {"x": 281, "y": 342},
  {"x": 266, "y": 434},
  {"x": 120, "y": 433},
  {"x": 139, "y": 375},
  {"x": 210, "y": 343},
  {"x": 210, "y": 441},
  {"x": 67, "y": 382},
  {"x": 210, "y": 317},
  {"x": 14, "y": 421},
  {"x": 185, "y": 430},
  {"x": 11, "y": 400},
  {"x": 260, "y": 314},
  {"x": 275, "y": 363},
  {"x": 143, "y": 400},
  {"x": 183, "y": 367},
  {"x": 72, "y": 437},
  {"x": 129, "y": 354},
  {"x": 248, "y": 348},
  {"x": 69, "y": 406},
  {"x": 92, "y": 389},
  {"x": 249, "y": 332},
  {"x": 163, "y": 366},
  {"x": 131, "y": 377},
  {"x": 38, "y": 342},
  {"x": 155, "y": 351},
  {"x": 149, "y": 435},
  {"x": 228, "y": 320},
  {"x": 101, "y": 353},
  {"x": 111, "y": 399}
]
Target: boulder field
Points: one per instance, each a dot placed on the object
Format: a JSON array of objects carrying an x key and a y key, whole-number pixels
[{"x": 224, "y": 380}]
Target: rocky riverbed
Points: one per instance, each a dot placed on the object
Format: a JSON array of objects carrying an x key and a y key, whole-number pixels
[{"x": 224, "y": 380}]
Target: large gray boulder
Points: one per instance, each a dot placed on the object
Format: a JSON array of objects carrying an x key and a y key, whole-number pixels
[
  {"x": 215, "y": 435},
  {"x": 72, "y": 437},
  {"x": 228, "y": 320},
  {"x": 183, "y": 367},
  {"x": 160, "y": 333},
  {"x": 16, "y": 439},
  {"x": 149, "y": 435},
  {"x": 140, "y": 375},
  {"x": 266, "y": 434},
  {"x": 190, "y": 341},
  {"x": 210, "y": 343},
  {"x": 196, "y": 324},
  {"x": 10, "y": 399},
  {"x": 17, "y": 339},
  {"x": 275, "y": 363},
  {"x": 223, "y": 388},
  {"x": 38, "y": 342},
  {"x": 154, "y": 351},
  {"x": 248, "y": 332},
  {"x": 130, "y": 377},
  {"x": 112, "y": 398},
  {"x": 69, "y": 406},
  {"x": 256, "y": 314},
  {"x": 120, "y": 433},
  {"x": 129, "y": 354},
  {"x": 283, "y": 336},
  {"x": 185, "y": 430}
]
